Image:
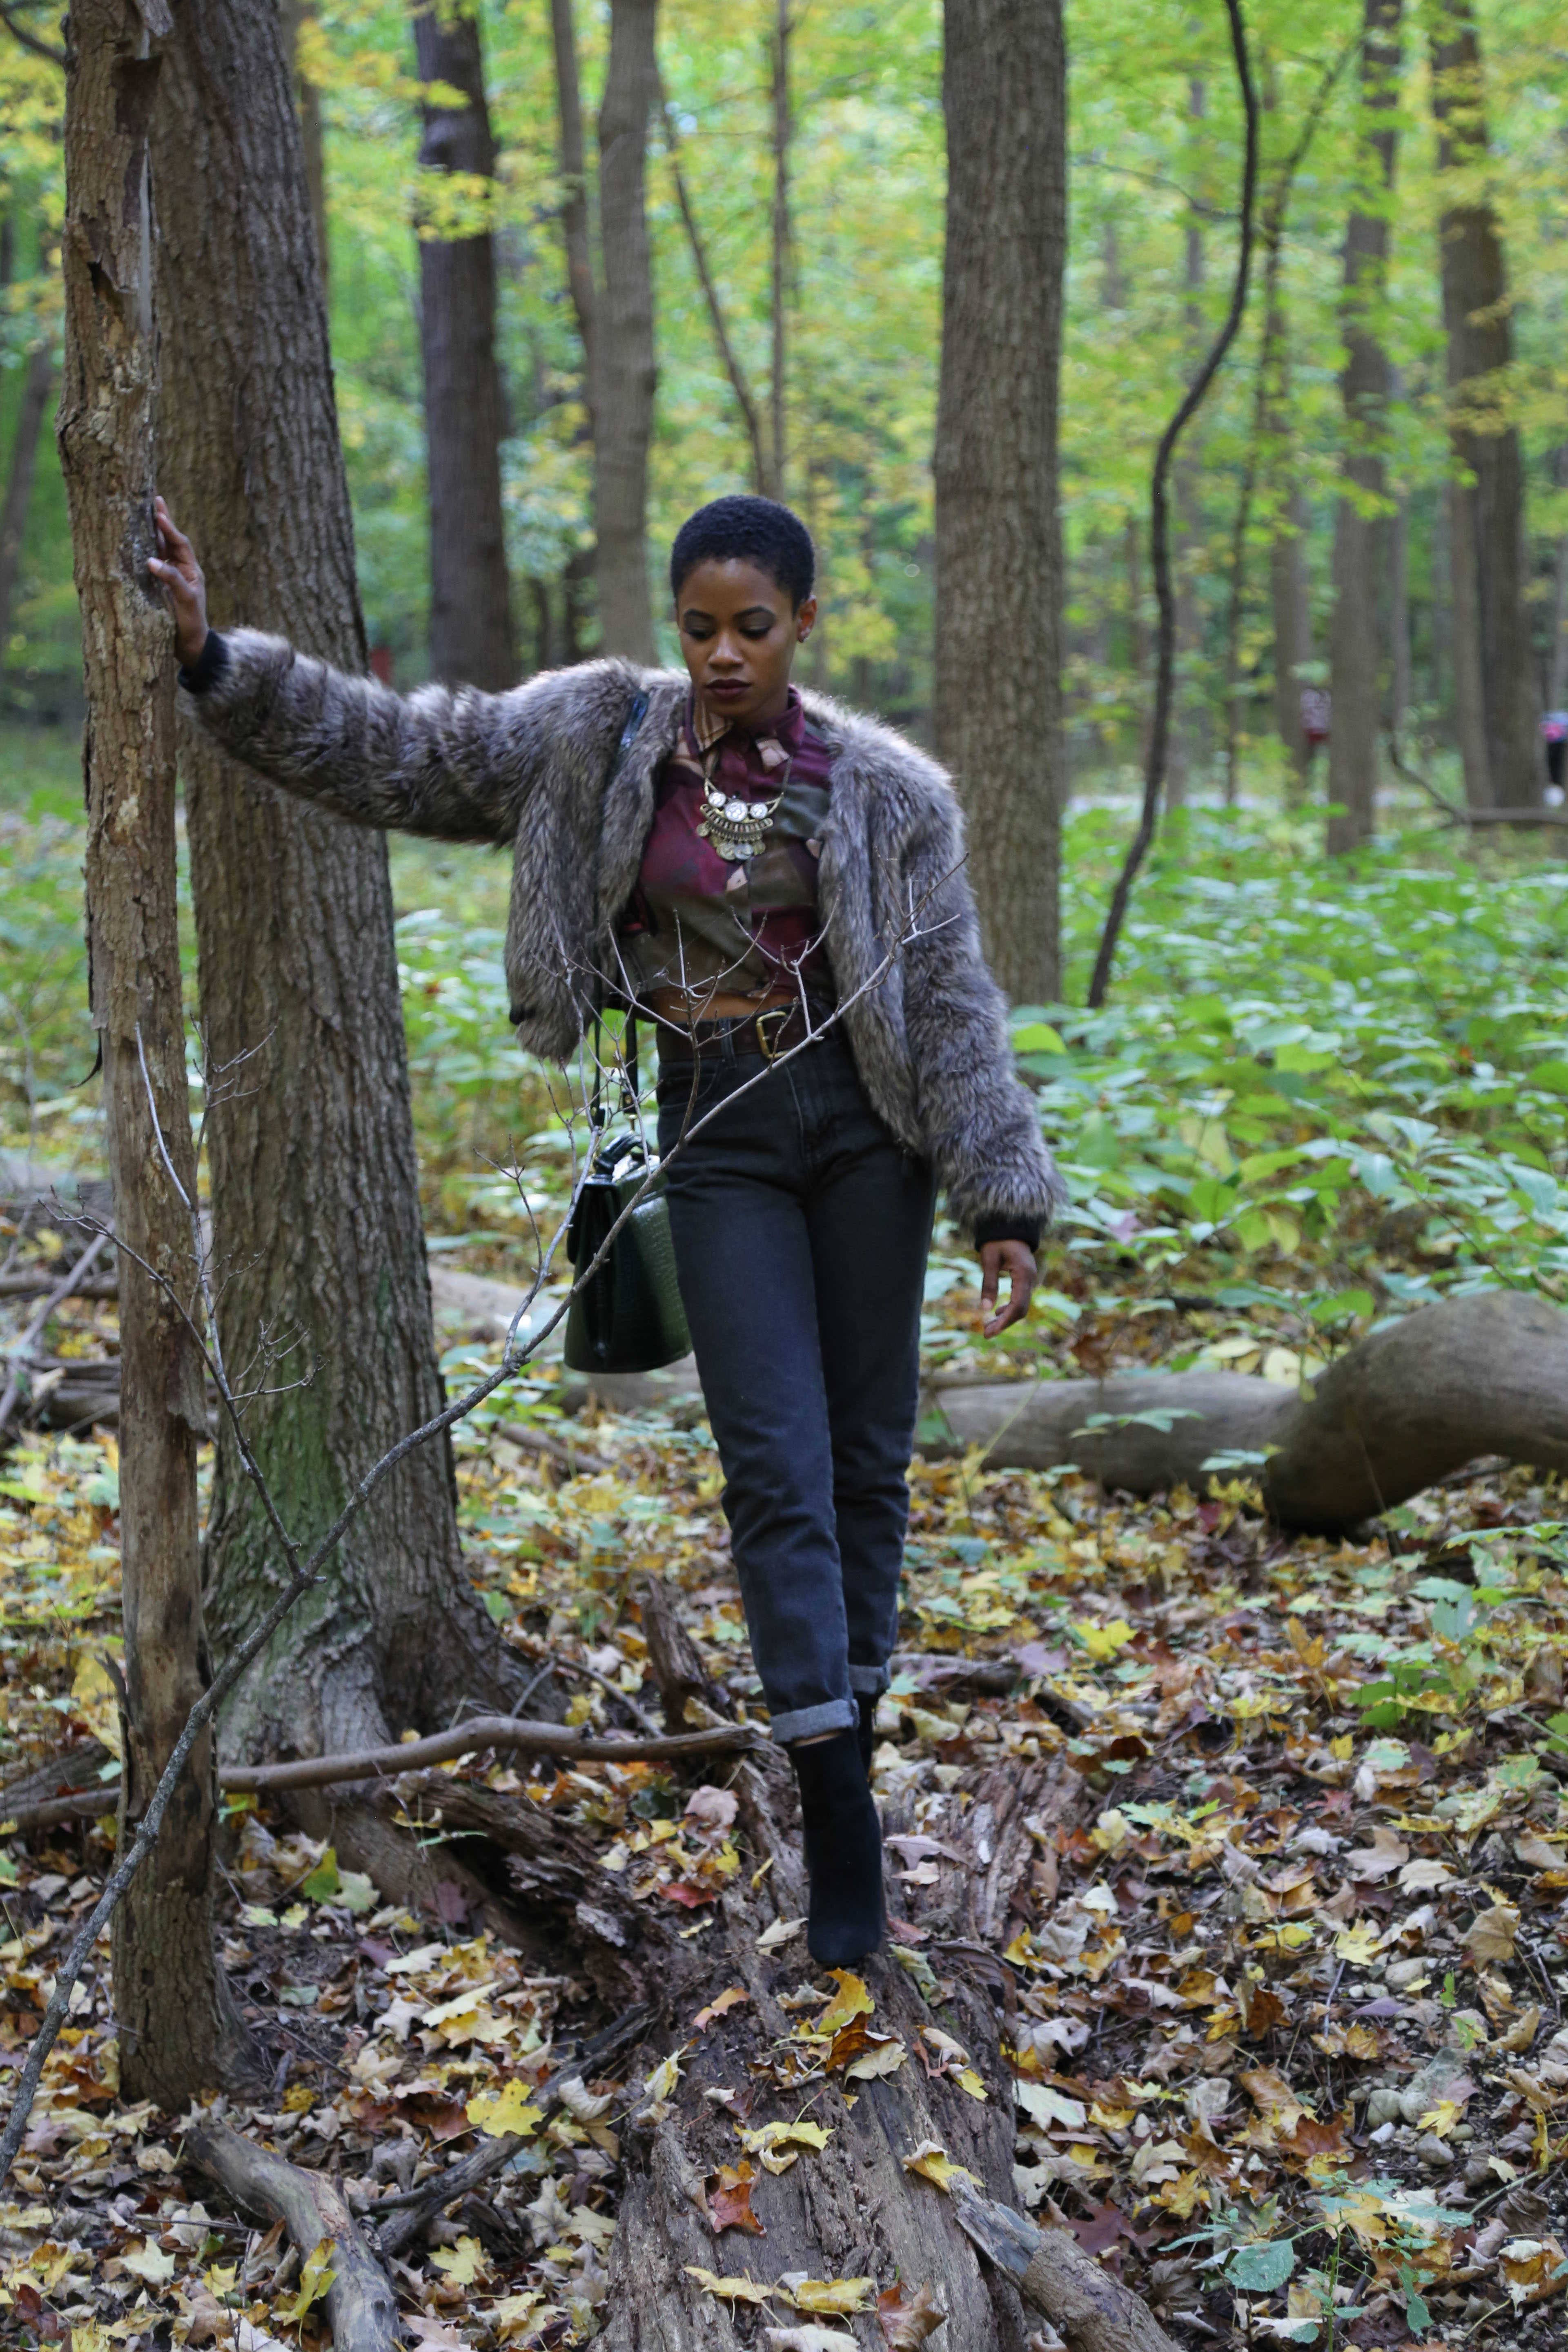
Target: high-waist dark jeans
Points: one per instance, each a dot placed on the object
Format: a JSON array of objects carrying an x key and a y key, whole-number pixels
[{"x": 801, "y": 1232}]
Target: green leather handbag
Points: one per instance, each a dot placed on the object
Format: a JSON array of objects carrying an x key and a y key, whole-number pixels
[{"x": 627, "y": 1316}]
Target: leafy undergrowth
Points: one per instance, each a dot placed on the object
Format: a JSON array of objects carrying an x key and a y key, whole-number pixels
[{"x": 1288, "y": 1966}]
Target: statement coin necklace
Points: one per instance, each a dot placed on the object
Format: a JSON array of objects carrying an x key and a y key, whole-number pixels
[{"x": 737, "y": 826}]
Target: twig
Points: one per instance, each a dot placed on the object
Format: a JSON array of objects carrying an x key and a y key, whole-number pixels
[
  {"x": 727, "y": 352},
  {"x": 497, "y": 1731},
  {"x": 1158, "y": 733},
  {"x": 414, "y": 2207},
  {"x": 575, "y": 1460},
  {"x": 10, "y": 10},
  {"x": 56, "y": 1297}
]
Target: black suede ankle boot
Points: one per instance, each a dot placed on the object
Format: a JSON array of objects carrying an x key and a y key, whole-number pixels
[
  {"x": 867, "y": 1733},
  {"x": 843, "y": 1849}
]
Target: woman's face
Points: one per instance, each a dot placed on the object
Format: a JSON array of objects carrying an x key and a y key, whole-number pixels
[{"x": 738, "y": 632}]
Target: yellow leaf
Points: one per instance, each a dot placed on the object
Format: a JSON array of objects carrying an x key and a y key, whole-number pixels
[
  {"x": 1358, "y": 1945},
  {"x": 299, "y": 2099},
  {"x": 933, "y": 2163},
  {"x": 463, "y": 2263},
  {"x": 851, "y": 2000},
  {"x": 968, "y": 2080},
  {"x": 790, "y": 2138},
  {"x": 316, "y": 2275},
  {"x": 499, "y": 2113},
  {"x": 1490, "y": 1936},
  {"x": 733, "y": 2290},
  {"x": 1441, "y": 2118},
  {"x": 1102, "y": 1642},
  {"x": 722, "y": 2007},
  {"x": 885, "y": 2056},
  {"x": 148, "y": 2262},
  {"x": 834, "y": 2297},
  {"x": 664, "y": 2078}
]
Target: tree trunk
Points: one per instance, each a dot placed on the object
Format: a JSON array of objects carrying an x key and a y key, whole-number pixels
[
  {"x": 779, "y": 262},
  {"x": 1187, "y": 713},
  {"x": 179, "y": 2033},
  {"x": 315, "y": 1195},
  {"x": 1494, "y": 687},
  {"x": 574, "y": 182},
  {"x": 297, "y": 14},
  {"x": 1292, "y": 635},
  {"x": 1557, "y": 639},
  {"x": 627, "y": 372},
  {"x": 36, "y": 389},
  {"x": 471, "y": 597},
  {"x": 1360, "y": 535},
  {"x": 999, "y": 532},
  {"x": 1400, "y": 680}
]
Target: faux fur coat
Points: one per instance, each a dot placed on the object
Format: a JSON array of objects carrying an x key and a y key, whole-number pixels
[{"x": 529, "y": 767}]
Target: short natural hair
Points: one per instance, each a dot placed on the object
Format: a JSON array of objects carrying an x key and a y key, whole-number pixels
[{"x": 758, "y": 531}]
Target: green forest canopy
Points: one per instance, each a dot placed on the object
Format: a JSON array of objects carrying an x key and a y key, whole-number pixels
[{"x": 1154, "y": 149}]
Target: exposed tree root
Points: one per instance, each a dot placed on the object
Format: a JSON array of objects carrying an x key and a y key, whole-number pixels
[
  {"x": 360, "y": 2308},
  {"x": 1484, "y": 1374},
  {"x": 1087, "y": 2306}
]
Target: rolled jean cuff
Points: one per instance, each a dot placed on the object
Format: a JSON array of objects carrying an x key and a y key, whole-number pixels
[
  {"x": 873, "y": 1680},
  {"x": 807, "y": 1722}
]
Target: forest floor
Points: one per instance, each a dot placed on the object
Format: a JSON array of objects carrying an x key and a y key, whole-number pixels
[{"x": 1285, "y": 1972}]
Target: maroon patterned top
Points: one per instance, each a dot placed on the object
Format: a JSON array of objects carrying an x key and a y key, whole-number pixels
[{"x": 698, "y": 921}]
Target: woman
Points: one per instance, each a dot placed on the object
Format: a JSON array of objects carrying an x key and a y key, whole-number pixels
[{"x": 737, "y": 861}]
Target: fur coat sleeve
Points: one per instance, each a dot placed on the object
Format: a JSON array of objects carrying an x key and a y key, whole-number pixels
[
  {"x": 447, "y": 760},
  {"x": 976, "y": 1119}
]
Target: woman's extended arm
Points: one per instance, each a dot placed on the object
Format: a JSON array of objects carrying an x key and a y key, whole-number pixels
[{"x": 444, "y": 760}]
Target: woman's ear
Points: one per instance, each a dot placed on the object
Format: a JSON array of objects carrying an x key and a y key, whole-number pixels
[{"x": 804, "y": 619}]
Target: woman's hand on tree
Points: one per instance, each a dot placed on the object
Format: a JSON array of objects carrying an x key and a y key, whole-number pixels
[
  {"x": 176, "y": 571},
  {"x": 1016, "y": 1260}
]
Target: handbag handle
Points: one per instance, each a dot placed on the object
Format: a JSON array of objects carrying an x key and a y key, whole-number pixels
[{"x": 597, "y": 1116}]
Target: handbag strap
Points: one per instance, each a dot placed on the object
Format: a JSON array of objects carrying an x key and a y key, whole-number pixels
[{"x": 596, "y": 1113}]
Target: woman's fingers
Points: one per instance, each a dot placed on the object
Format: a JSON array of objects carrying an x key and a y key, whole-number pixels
[{"x": 1019, "y": 1264}]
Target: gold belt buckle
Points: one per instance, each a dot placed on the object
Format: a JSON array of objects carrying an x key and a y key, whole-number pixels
[{"x": 778, "y": 1013}]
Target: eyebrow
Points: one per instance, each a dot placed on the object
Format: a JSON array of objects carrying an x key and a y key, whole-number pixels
[{"x": 753, "y": 612}]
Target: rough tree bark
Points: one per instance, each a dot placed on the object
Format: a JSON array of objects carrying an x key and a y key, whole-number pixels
[
  {"x": 627, "y": 372},
  {"x": 778, "y": 386},
  {"x": 1360, "y": 523},
  {"x": 998, "y": 533},
  {"x": 36, "y": 386},
  {"x": 471, "y": 597},
  {"x": 179, "y": 2032},
  {"x": 299, "y": 15},
  {"x": 1493, "y": 686},
  {"x": 1485, "y": 1374},
  {"x": 315, "y": 1196}
]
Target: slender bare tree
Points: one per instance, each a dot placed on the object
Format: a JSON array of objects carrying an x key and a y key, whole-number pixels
[{"x": 179, "y": 2031}]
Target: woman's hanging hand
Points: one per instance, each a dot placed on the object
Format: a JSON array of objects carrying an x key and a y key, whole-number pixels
[
  {"x": 1016, "y": 1260},
  {"x": 180, "y": 575}
]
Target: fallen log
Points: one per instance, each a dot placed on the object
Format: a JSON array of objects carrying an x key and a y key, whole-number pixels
[
  {"x": 1402, "y": 1409},
  {"x": 1085, "y": 2303},
  {"x": 360, "y": 2308}
]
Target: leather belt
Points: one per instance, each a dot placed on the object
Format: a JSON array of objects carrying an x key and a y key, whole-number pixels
[{"x": 769, "y": 1033}]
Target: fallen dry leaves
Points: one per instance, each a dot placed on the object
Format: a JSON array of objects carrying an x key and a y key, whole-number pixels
[{"x": 1287, "y": 1975}]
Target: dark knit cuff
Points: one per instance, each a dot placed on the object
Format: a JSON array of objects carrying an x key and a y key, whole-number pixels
[
  {"x": 1007, "y": 1229},
  {"x": 208, "y": 666}
]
